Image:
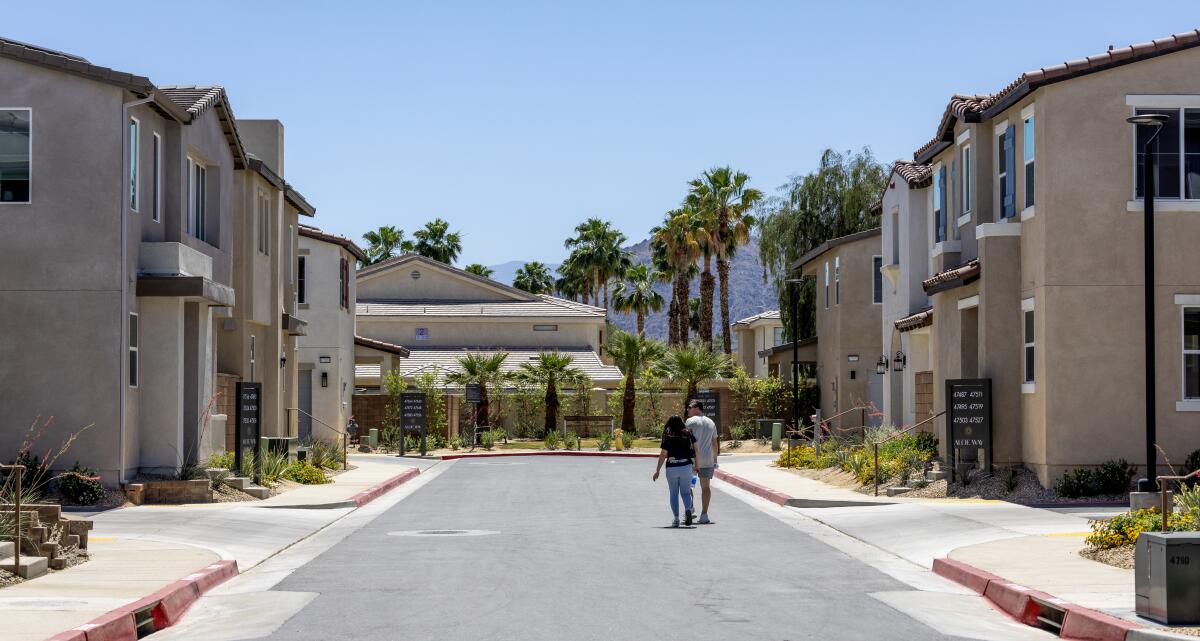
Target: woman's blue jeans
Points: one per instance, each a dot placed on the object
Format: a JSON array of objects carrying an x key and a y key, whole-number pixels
[{"x": 679, "y": 483}]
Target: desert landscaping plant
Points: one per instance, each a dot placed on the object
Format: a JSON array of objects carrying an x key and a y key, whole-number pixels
[
  {"x": 81, "y": 486},
  {"x": 305, "y": 473},
  {"x": 553, "y": 440}
]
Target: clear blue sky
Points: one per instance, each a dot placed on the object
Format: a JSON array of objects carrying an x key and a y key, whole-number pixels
[{"x": 515, "y": 121}]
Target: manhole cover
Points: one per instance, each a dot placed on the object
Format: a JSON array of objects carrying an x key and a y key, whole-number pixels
[{"x": 442, "y": 533}]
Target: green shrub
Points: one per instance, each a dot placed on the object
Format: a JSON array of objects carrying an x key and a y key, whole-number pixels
[
  {"x": 324, "y": 454},
  {"x": 1123, "y": 529},
  {"x": 570, "y": 441},
  {"x": 1187, "y": 501},
  {"x": 801, "y": 456},
  {"x": 1114, "y": 476},
  {"x": 273, "y": 465},
  {"x": 553, "y": 440},
  {"x": 81, "y": 486},
  {"x": 1076, "y": 483},
  {"x": 1192, "y": 462},
  {"x": 223, "y": 461},
  {"x": 654, "y": 431},
  {"x": 455, "y": 443},
  {"x": 436, "y": 441},
  {"x": 412, "y": 444},
  {"x": 627, "y": 439},
  {"x": 742, "y": 430},
  {"x": 306, "y": 473},
  {"x": 926, "y": 442},
  {"x": 248, "y": 459},
  {"x": 604, "y": 442},
  {"x": 488, "y": 439}
]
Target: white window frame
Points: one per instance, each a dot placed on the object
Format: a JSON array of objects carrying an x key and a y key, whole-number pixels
[
  {"x": 156, "y": 150},
  {"x": 938, "y": 188},
  {"x": 837, "y": 280},
  {"x": 1176, "y": 104},
  {"x": 197, "y": 199},
  {"x": 1028, "y": 117},
  {"x": 999, "y": 130},
  {"x": 876, "y": 293},
  {"x": 264, "y": 223},
  {"x": 30, "y": 199},
  {"x": 966, "y": 161},
  {"x": 291, "y": 254},
  {"x": 826, "y": 284},
  {"x": 776, "y": 337},
  {"x": 301, "y": 280},
  {"x": 133, "y": 342},
  {"x": 1185, "y": 404},
  {"x": 1028, "y": 385},
  {"x": 135, "y": 164}
]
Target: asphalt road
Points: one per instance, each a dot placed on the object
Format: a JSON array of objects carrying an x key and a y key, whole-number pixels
[{"x": 580, "y": 549}]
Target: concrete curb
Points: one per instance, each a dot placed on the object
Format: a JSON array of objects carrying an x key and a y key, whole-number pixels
[
  {"x": 1025, "y": 605},
  {"x": 451, "y": 457},
  {"x": 778, "y": 498},
  {"x": 372, "y": 493},
  {"x": 165, "y": 606}
]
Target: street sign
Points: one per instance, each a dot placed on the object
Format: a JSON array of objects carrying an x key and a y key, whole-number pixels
[
  {"x": 247, "y": 429},
  {"x": 712, "y": 405},
  {"x": 969, "y": 417},
  {"x": 412, "y": 416},
  {"x": 474, "y": 393}
]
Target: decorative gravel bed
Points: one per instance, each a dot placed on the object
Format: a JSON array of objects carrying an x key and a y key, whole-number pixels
[
  {"x": 8, "y": 578},
  {"x": 1121, "y": 557}
]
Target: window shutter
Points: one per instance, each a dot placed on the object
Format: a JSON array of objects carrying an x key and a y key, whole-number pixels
[
  {"x": 1008, "y": 208},
  {"x": 943, "y": 227}
]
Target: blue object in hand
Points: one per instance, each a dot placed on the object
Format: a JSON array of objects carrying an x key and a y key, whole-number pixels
[{"x": 694, "y": 479}]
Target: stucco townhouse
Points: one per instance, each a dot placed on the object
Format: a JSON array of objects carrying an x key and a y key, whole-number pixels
[
  {"x": 1013, "y": 247},
  {"x": 755, "y": 334},
  {"x": 118, "y": 198}
]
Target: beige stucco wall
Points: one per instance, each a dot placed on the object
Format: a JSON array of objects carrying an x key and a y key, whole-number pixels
[
  {"x": 331, "y": 331},
  {"x": 489, "y": 332},
  {"x": 433, "y": 284}
]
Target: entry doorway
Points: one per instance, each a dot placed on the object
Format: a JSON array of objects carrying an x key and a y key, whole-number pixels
[
  {"x": 304, "y": 393},
  {"x": 923, "y": 382},
  {"x": 875, "y": 382}
]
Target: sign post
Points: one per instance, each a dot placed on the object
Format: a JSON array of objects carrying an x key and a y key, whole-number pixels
[
  {"x": 969, "y": 417},
  {"x": 247, "y": 428},
  {"x": 412, "y": 416},
  {"x": 474, "y": 396},
  {"x": 712, "y": 405}
]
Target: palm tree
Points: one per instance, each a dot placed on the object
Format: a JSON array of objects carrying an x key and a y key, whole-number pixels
[
  {"x": 479, "y": 270},
  {"x": 726, "y": 200},
  {"x": 679, "y": 240},
  {"x": 632, "y": 353},
  {"x": 692, "y": 364},
  {"x": 574, "y": 281},
  {"x": 597, "y": 247},
  {"x": 534, "y": 278},
  {"x": 636, "y": 294},
  {"x": 484, "y": 370},
  {"x": 551, "y": 369},
  {"x": 384, "y": 243},
  {"x": 436, "y": 241}
]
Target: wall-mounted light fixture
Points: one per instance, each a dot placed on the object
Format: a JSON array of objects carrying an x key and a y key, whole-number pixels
[
  {"x": 881, "y": 365},
  {"x": 282, "y": 361},
  {"x": 898, "y": 362},
  {"x": 324, "y": 379}
]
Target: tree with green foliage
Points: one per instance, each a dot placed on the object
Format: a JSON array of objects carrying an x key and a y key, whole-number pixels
[
  {"x": 636, "y": 294},
  {"x": 479, "y": 270},
  {"x": 485, "y": 370},
  {"x": 430, "y": 383},
  {"x": 384, "y": 243},
  {"x": 835, "y": 200},
  {"x": 677, "y": 242},
  {"x": 534, "y": 278},
  {"x": 692, "y": 365},
  {"x": 632, "y": 353},
  {"x": 551, "y": 369},
  {"x": 436, "y": 241},
  {"x": 597, "y": 248}
]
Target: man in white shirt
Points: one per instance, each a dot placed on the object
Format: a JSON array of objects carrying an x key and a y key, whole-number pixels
[{"x": 708, "y": 447}]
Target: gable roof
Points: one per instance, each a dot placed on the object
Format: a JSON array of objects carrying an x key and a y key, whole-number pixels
[
  {"x": 346, "y": 243},
  {"x": 916, "y": 175},
  {"x": 544, "y": 306},
  {"x": 406, "y": 259},
  {"x": 771, "y": 314},
  {"x": 830, "y": 244},
  {"x": 444, "y": 360},
  {"x": 292, "y": 196},
  {"x": 979, "y": 107},
  {"x": 383, "y": 346},
  {"x": 196, "y": 100}
]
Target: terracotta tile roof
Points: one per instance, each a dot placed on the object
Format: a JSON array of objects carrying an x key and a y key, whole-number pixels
[
  {"x": 917, "y": 175},
  {"x": 953, "y": 277},
  {"x": 197, "y": 99},
  {"x": 923, "y": 318},
  {"x": 973, "y": 108},
  {"x": 382, "y": 346},
  {"x": 772, "y": 314},
  {"x": 346, "y": 243}
]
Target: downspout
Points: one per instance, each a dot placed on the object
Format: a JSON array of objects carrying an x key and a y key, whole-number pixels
[{"x": 123, "y": 320}]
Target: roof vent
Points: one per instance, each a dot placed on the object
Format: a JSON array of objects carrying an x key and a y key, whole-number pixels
[{"x": 416, "y": 275}]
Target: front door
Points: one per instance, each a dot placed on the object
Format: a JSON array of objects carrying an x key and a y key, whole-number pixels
[{"x": 304, "y": 391}]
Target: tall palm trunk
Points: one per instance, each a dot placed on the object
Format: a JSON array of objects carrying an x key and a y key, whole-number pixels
[
  {"x": 641, "y": 322},
  {"x": 596, "y": 283},
  {"x": 672, "y": 314},
  {"x": 691, "y": 393},
  {"x": 551, "y": 406},
  {"x": 628, "y": 400},
  {"x": 707, "y": 285},
  {"x": 723, "y": 275},
  {"x": 685, "y": 293}
]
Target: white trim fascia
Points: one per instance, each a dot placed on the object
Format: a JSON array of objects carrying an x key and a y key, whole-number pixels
[
  {"x": 1027, "y": 304},
  {"x": 1027, "y": 111},
  {"x": 946, "y": 247},
  {"x": 988, "y": 230},
  {"x": 1027, "y": 213},
  {"x": 968, "y": 302},
  {"x": 1190, "y": 405},
  {"x": 1166, "y": 101},
  {"x": 1028, "y": 388},
  {"x": 963, "y": 136},
  {"x": 1187, "y": 299},
  {"x": 1000, "y": 127},
  {"x": 964, "y": 219},
  {"x": 1166, "y": 206}
]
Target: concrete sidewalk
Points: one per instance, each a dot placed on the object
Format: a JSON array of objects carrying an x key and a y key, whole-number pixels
[
  {"x": 138, "y": 551},
  {"x": 1031, "y": 547}
]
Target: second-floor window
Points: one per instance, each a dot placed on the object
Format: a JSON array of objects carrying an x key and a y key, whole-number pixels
[
  {"x": 264, "y": 223},
  {"x": 876, "y": 279},
  {"x": 133, "y": 350},
  {"x": 1191, "y": 353},
  {"x": 776, "y": 336},
  {"x": 1176, "y": 154},
  {"x": 1027, "y": 334},
  {"x": 197, "y": 200},
  {"x": 134, "y": 174},
  {"x": 826, "y": 284},
  {"x": 156, "y": 152},
  {"x": 1027, "y": 150},
  {"x": 837, "y": 280},
  {"x": 344, "y": 284},
  {"x": 16, "y": 154},
  {"x": 301, "y": 281},
  {"x": 1005, "y": 165},
  {"x": 965, "y": 190},
  {"x": 939, "y": 205}
]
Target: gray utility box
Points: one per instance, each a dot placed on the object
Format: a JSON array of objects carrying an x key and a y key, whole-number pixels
[
  {"x": 1167, "y": 577},
  {"x": 763, "y": 426}
]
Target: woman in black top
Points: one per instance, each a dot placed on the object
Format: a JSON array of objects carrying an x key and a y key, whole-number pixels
[{"x": 679, "y": 453}]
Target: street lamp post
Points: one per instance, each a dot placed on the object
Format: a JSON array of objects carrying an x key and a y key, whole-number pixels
[
  {"x": 793, "y": 284},
  {"x": 1150, "y": 120}
]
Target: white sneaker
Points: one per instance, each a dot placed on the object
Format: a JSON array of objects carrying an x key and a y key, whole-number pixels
[{"x": 704, "y": 519}]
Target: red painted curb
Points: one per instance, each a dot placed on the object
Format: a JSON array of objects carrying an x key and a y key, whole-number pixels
[
  {"x": 1020, "y": 602},
  {"x": 372, "y": 493},
  {"x": 451, "y": 457},
  {"x": 168, "y": 605},
  {"x": 778, "y": 498}
]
